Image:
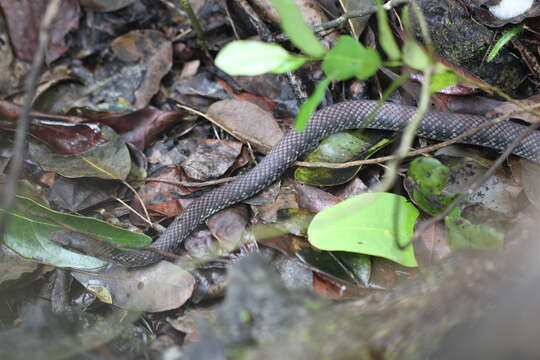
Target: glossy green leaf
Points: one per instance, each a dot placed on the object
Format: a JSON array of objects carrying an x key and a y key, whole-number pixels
[
  {"x": 425, "y": 182},
  {"x": 386, "y": 38},
  {"x": 310, "y": 105},
  {"x": 247, "y": 57},
  {"x": 348, "y": 58},
  {"x": 339, "y": 148},
  {"x": 414, "y": 56},
  {"x": 365, "y": 224},
  {"x": 31, "y": 224},
  {"x": 294, "y": 25}
]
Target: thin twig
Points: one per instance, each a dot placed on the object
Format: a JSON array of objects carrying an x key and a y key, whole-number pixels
[
  {"x": 23, "y": 121},
  {"x": 355, "y": 14},
  {"x": 130, "y": 208}
]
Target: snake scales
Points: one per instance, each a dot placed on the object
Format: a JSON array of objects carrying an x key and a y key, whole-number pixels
[{"x": 347, "y": 115}]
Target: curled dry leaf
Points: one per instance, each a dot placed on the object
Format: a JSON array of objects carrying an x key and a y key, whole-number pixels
[
  {"x": 247, "y": 122},
  {"x": 142, "y": 127},
  {"x": 63, "y": 134}
]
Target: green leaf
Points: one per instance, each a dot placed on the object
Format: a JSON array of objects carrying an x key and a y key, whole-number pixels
[
  {"x": 386, "y": 38},
  {"x": 30, "y": 225},
  {"x": 414, "y": 56},
  {"x": 291, "y": 64},
  {"x": 295, "y": 27},
  {"x": 338, "y": 148},
  {"x": 444, "y": 78},
  {"x": 246, "y": 57},
  {"x": 505, "y": 38},
  {"x": 462, "y": 234},
  {"x": 425, "y": 182},
  {"x": 310, "y": 105},
  {"x": 406, "y": 21},
  {"x": 365, "y": 224},
  {"x": 349, "y": 58}
]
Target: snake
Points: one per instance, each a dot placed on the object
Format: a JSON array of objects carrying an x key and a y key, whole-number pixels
[{"x": 435, "y": 125}]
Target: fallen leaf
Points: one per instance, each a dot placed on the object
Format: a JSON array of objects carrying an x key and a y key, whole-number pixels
[
  {"x": 211, "y": 159},
  {"x": 78, "y": 194},
  {"x": 155, "y": 288},
  {"x": 247, "y": 122},
  {"x": 110, "y": 160},
  {"x": 24, "y": 19}
]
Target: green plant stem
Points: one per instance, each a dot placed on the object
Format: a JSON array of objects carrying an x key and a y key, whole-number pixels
[
  {"x": 409, "y": 133},
  {"x": 194, "y": 21}
]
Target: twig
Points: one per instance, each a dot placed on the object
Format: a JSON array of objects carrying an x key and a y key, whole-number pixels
[
  {"x": 356, "y": 13},
  {"x": 10, "y": 187}
]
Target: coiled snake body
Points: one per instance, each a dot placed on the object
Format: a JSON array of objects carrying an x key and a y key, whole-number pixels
[{"x": 342, "y": 116}]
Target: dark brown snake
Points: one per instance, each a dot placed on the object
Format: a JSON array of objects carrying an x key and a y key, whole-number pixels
[{"x": 347, "y": 115}]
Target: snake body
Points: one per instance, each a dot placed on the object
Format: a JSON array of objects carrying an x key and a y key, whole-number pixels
[{"x": 435, "y": 125}]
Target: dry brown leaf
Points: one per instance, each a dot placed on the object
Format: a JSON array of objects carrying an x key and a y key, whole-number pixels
[{"x": 247, "y": 122}]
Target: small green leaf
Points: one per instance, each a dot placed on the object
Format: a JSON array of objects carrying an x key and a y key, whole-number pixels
[
  {"x": 294, "y": 25},
  {"x": 414, "y": 56},
  {"x": 349, "y": 58},
  {"x": 365, "y": 224},
  {"x": 31, "y": 224},
  {"x": 425, "y": 182},
  {"x": 443, "y": 79},
  {"x": 406, "y": 21},
  {"x": 386, "y": 38},
  {"x": 505, "y": 38},
  {"x": 291, "y": 64},
  {"x": 310, "y": 105},
  {"x": 246, "y": 57}
]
